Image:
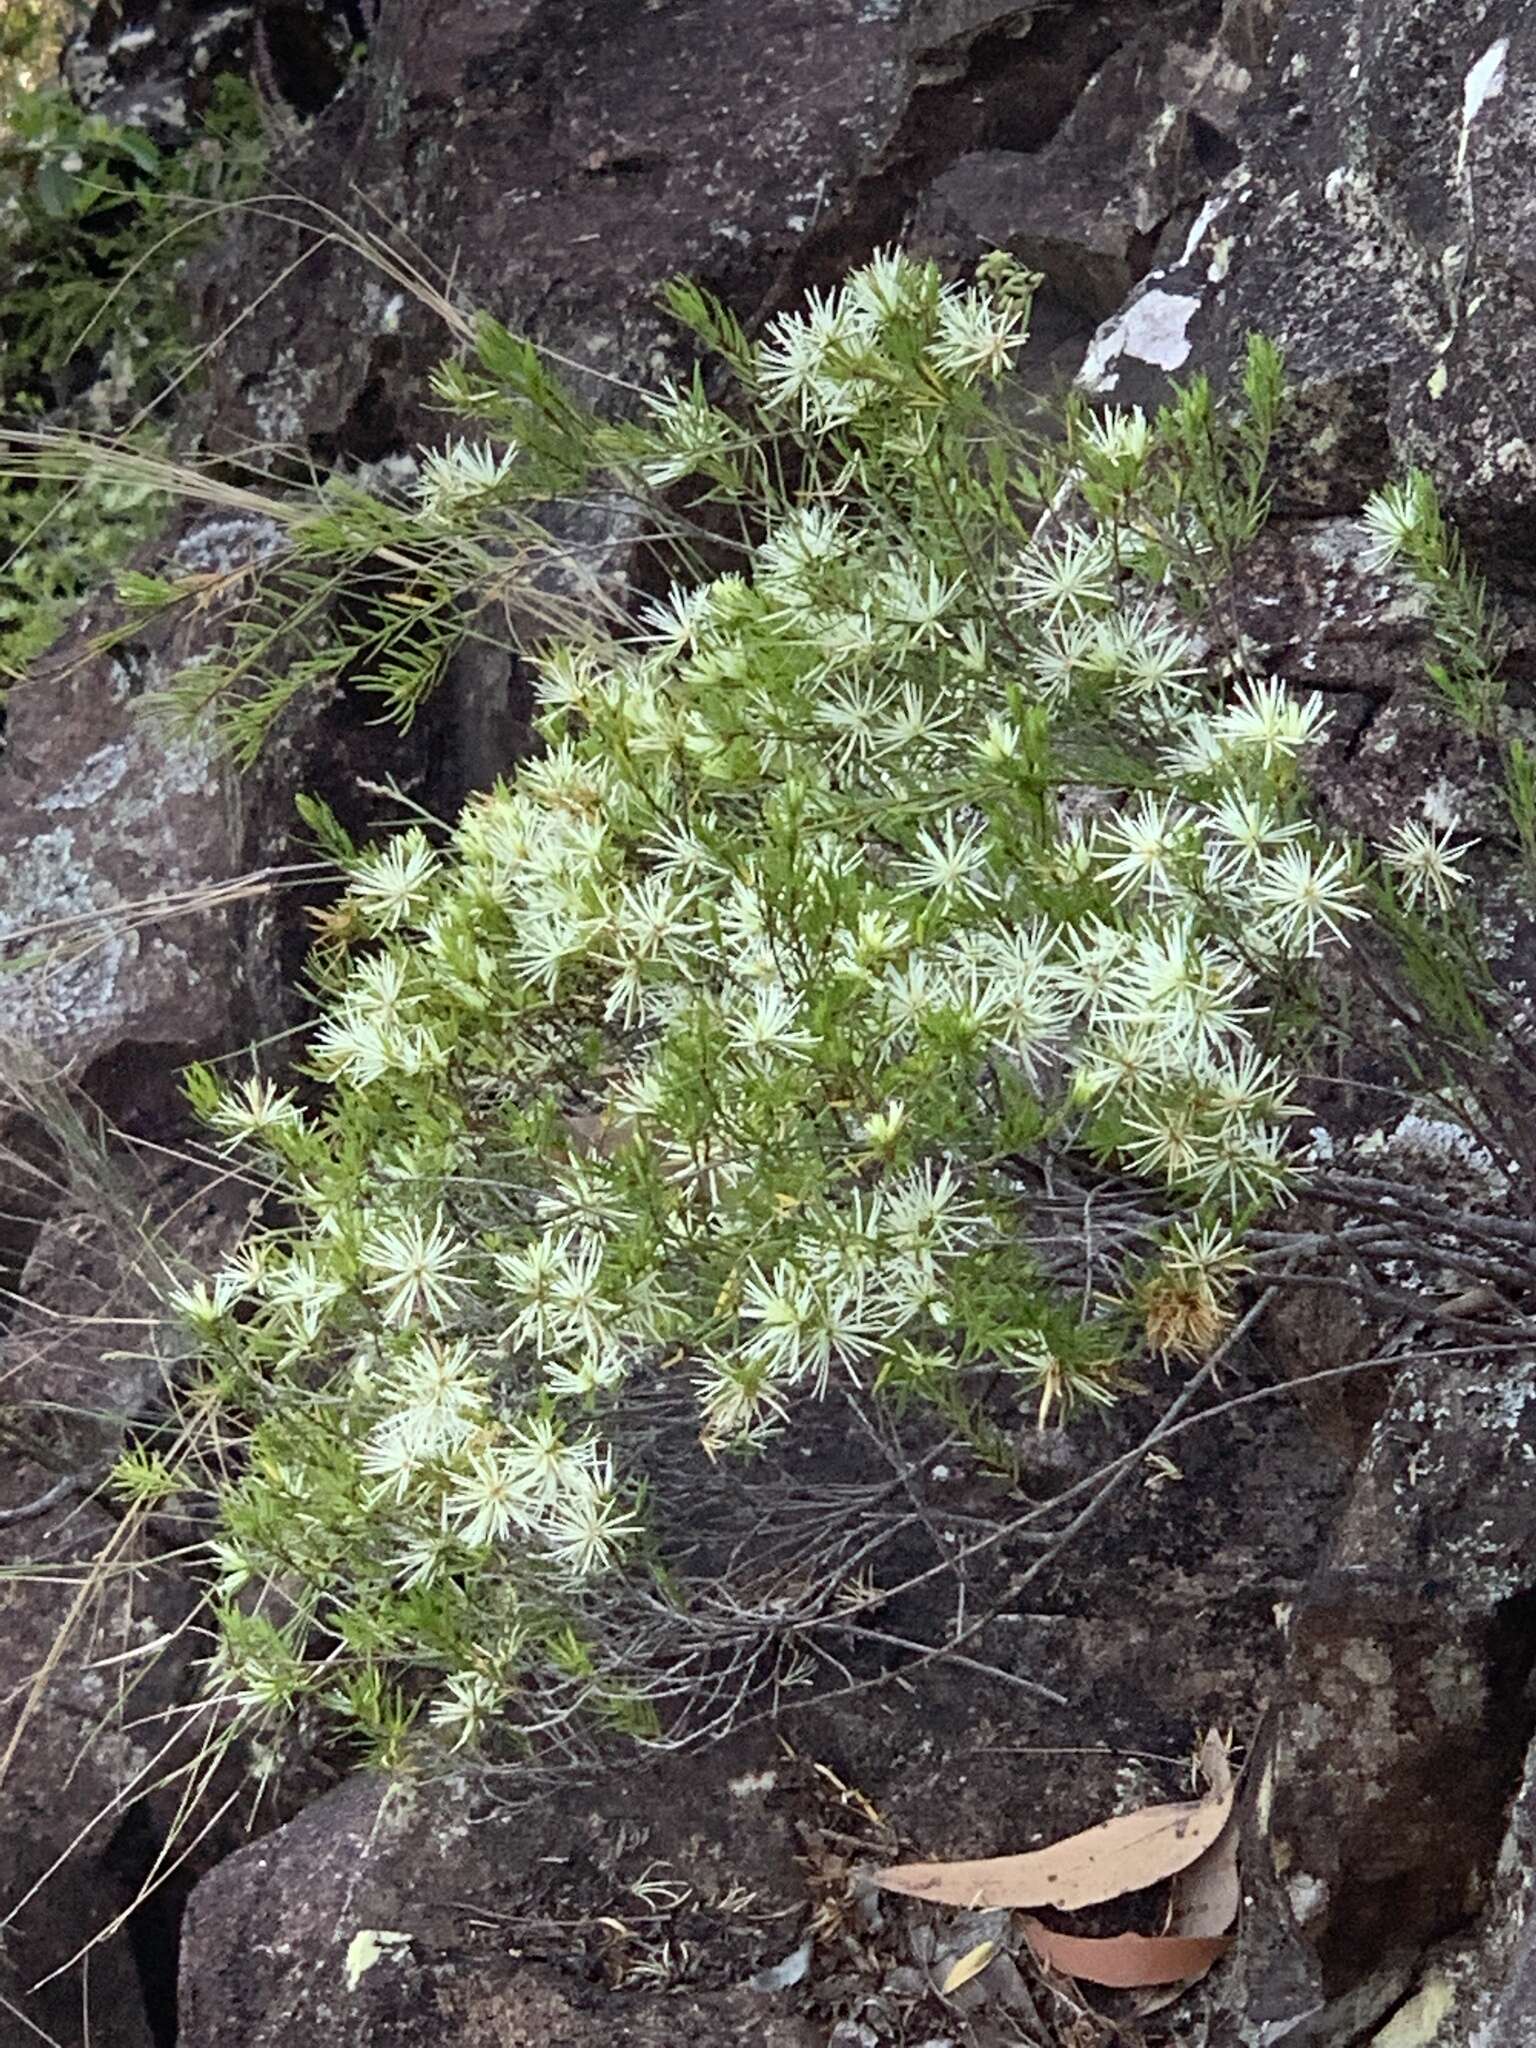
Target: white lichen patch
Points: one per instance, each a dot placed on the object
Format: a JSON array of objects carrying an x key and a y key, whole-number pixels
[
  {"x": 128, "y": 40},
  {"x": 215, "y": 546},
  {"x": 1438, "y": 1146},
  {"x": 285, "y": 400},
  {"x": 750, "y": 1783},
  {"x": 1154, "y": 329},
  {"x": 97, "y": 776},
  {"x": 216, "y": 24},
  {"x": 1211, "y": 211},
  {"x": 371, "y": 1945},
  {"x": 1484, "y": 82},
  {"x": 1441, "y": 805}
]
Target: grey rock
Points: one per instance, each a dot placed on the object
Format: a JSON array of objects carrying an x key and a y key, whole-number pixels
[
  {"x": 96, "y": 1655},
  {"x": 1378, "y": 227},
  {"x": 1396, "y": 1738},
  {"x": 433, "y": 1915}
]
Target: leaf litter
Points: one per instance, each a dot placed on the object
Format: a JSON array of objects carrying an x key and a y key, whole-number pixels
[{"x": 1191, "y": 1845}]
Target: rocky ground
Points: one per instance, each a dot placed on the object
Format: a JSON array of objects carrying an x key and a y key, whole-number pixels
[{"x": 1342, "y": 1578}]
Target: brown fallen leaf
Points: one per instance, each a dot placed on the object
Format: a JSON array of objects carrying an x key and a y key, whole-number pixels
[
  {"x": 1125, "y": 1854},
  {"x": 1125, "y": 1962},
  {"x": 1205, "y": 1898}
]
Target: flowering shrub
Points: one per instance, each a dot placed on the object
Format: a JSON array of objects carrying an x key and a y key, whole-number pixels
[{"x": 924, "y": 849}]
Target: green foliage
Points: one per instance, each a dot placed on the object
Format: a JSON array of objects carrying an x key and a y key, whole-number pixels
[
  {"x": 95, "y": 224},
  {"x": 921, "y": 847},
  {"x": 1410, "y": 531},
  {"x": 30, "y": 33},
  {"x": 1520, "y": 799}
]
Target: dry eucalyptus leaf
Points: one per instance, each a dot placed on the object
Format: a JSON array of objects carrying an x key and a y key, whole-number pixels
[
  {"x": 1125, "y": 1962},
  {"x": 1205, "y": 1898},
  {"x": 965, "y": 1967},
  {"x": 1125, "y": 1854}
]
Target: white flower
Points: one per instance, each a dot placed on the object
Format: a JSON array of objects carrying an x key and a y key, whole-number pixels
[
  {"x": 770, "y": 1028},
  {"x": 1428, "y": 862},
  {"x": 1241, "y": 1085},
  {"x": 1061, "y": 658},
  {"x": 570, "y": 677},
  {"x": 882, "y": 1127},
  {"x": 301, "y": 1291},
  {"x": 544, "y": 1462},
  {"x": 417, "y": 1266},
  {"x": 977, "y": 336},
  {"x": 889, "y": 285},
  {"x": 806, "y": 539},
  {"x": 739, "y": 1401},
  {"x": 805, "y": 361},
  {"x": 1265, "y": 718},
  {"x": 1245, "y": 1163},
  {"x": 579, "y": 1372},
  {"x": 649, "y": 920},
  {"x": 1095, "y": 951},
  {"x": 801, "y": 1324},
  {"x": 488, "y": 1498},
  {"x": 1138, "y": 849},
  {"x": 1246, "y": 831},
  {"x": 558, "y": 1281},
  {"x": 390, "y": 884},
  {"x": 1198, "y": 751},
  {"x": 468, "y": 1702},
  {"x": 916, "y": 726},
  {"x": 362, "y": 1049},
  {"x": 1205, "y": 1250},
  {"x": 952, "y": 862},
  {"x": 1170, "y": 1140},
  {"x": 877, "y": 937},
  {"x": 461, "y": 477},
  {"x": 683, "y": 853},
  {"x": 1153, "y": 662},
  {"x": 547, "y": 940},
  {"x": 914, "y": 594},
  {"x": 441, "y": 1391},
  {"x": 1072, "y": 577},
  {"x": 1116, "y": 435},
  {"x": 677, "y": 621},
  {"x": 913, "y": 991},
  {"x": 1304, "y": 895},
  {"x": 854, "y": 709},
  {"x": 999, "y": 742},
  {"x": 1183, "y": 988},
  {"x": 590, "y": 1525},
  {"x": 254, "y": 1108},
  {"x": 1126, "y": 1058},
  {"x": 927, "y": 1212},
  {"x": 1392, "y": 517},
  {"x": 694, "y": 433},
  {"x": 203, "y": 1306}
]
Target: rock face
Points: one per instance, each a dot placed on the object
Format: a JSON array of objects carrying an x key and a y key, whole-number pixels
[
  {"x": 1349, "y": 176},
  {"x": 391, "y": 1916},
  {"x": 1398, "y": 1732},
  {"x": 83, "y": 1725},
  {"x": 1379, "y": 227},
  {"x": 566, "y": 160}
]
